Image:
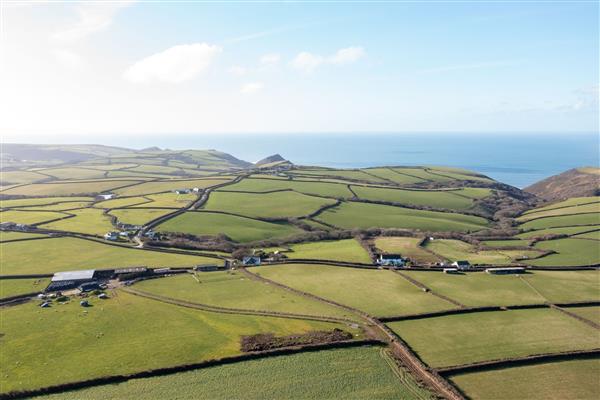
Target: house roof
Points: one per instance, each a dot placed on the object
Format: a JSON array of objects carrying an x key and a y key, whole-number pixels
[
  {"x": 390, "y": 256},
  {"x": 73, "y": 275},
  {"x": 462, "y": 262}
]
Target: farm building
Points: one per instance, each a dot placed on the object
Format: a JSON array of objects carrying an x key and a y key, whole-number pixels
[
  {"x": 107, "y": 196},
  {"x": 89, "y": 286},
  {"x": 505, "y": 270},
  {"x": 111, "y": 236},
  {"x": 70, "y": 279},
  {"x": 253, "y": 260},
  {"x": 195, "y": 190},
  {"x": 462, "y": 264},
  {"x": 394, "y": 260},
  {"x": 130, "y": 270},
  {"x": 182, "y": 191},
  {"x": 162, "y": 270},
  {"x": 450, "y": 270},
  {"x": 207, "y": 268}
]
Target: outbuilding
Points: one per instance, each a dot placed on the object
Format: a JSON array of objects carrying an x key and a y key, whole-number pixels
[
  {"x": 70, "y": 279},
  {"x": 107, "y": 196},
  {"x": 394, "y": 260},
  {"x": 505, "y": 270},
  {"x": 462, "y": 264},
  {"x": 252, "y": 260}
]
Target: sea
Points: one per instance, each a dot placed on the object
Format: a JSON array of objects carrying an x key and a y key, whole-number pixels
[{"x": 519, "y": 159}]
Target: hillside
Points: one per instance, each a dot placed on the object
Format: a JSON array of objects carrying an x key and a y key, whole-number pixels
[
  {"x": 275, "y": 158},
  {"x": 577, "y": 182}
]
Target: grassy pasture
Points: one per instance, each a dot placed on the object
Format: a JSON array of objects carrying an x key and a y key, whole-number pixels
[
  {"x": 574, "y": 379},
  {"x": 393, "y": 176},
  {"x": 589, "y": 235},
  {"x": 353, "y": 174},
  {"x": 364, "y": 215},
  {"x": 67, "y": 205},
  {"x": 40, "y": 201},
  {"x": 479, "y": 289},
  {"x": 15, "y": 287},
  {"x": 562, "y": 221},
  {"x": 17, "y": 177},
  {"x": 378, "y": 292},
  {"x": 29, "y": 217},
  {"x": 567, "y": 230},
  {"x": 235, "y": 290},
  {"x": 5, "y": 235},
  {"x": 506, "y": 243},
  {"x": 591, "y": 313},
  {"x": 266, "y": 205},
  {"x": 109, "y": 167},
  {"x": 455, "y": 250},
  {"x": 336, "y": 190},
  {"x": 407, "y": 247},
  {"x": 160, "y": 169},
  {"x": 167, "y": 186},
  {"x": 67, "y": 188},
  {"x": 577, "y": 209},
  {"x": 58, "y": 254},
  {"x": 466, "y": 338},
  {"x": 137, "y": 175},
  {"x": 173, "y": 200},
  {"x": 74, "y": 173},
  {"x": 571, "y": 252},
  {"x": 239, "y": 229},
  {"x": 91, "y": 221},
  {"x": 566, "y": 286},
  {"x": 573, "y": 201},
  {"x": 138, "y": 216},
  {"x": 337, "y": 250},
  {"x": 122, "y": 334},
  {"x": 459, "y": 176},
  {"x": 431, "y": 198},
  {"x": 358, "y": 373},
  {"x": 122, "y": 202}
]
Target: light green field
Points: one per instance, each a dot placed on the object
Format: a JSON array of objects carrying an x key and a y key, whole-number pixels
[
  {"x": 566, "y": 286},
  {"x": 378, "y": 292},
  {"x": 109, "y": 167},
  {"x": 577, "y": 209},
  {"x": 506, "y": 243},
  {"x": 407, "y": 247},
  {"x": 432, "y": 198},
  {"x": 91, "y": 221},
  {"x": 172, "y": 200},
  {"x": 167, "y": 186},
  {"x": 40, "y": 201},
  {"x": 235, "y": 290},
  {"x": 239, "y": 229},
  {"x": 67, "y": 254},
  {"x": 592, "y": 313},
  {"x": 358, "y": 373},
  {"x": 15, "y": 287},
  {"x": 560, "y": 221},
  {"x": 570, "y": 252},
  {"x": 62, "y": 206},
  {"x": 264, "y": 185},
  {"x": 161, "y": 169},
  {"x": 455, "y": 250},
  {"x": 29, "y": 217},
  {"x": 568, "y": 230},
  {"x": 467, "y": 338},
  {"x": 74, "y": 173},
  {"x": 4, "y": 235},
  {"x": 479, "y": 289},
  {"x": 122, "y": 202},
  {"x": 589, "y": 235},
  {"x": 363, "y": 215},
  {"x": 137, "y": 175},
  {"x": 138, "y": 216},
  {"x": 122, "y": 334},
  {"x": 267, "y": 205},
  {"x": 393, "y": 176},
  {"x": 357, "y": 175},
  {"x": 576, "y": 379},
  {"x": 67, "y": 188},
  {"x": 336, "y": 250},
  {"x": 16, "y": 177},
  {"x": 573, "y": 201}
]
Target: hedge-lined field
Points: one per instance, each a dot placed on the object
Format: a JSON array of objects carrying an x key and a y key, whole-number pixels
[
  {"x": 67, "y": 188},
  {"x": 122, "y": 334},
  {"x": 562, "y": 221},
  {"x": 378, "y": 292},
  {"x": 15, "y": 287},
  {"x": 467, "y": 338},
  {"x": 407, "y": 247},
  {"x": 455, "y": 250},
  {"x": 139, "y": 216},
  {"x": 29, "y": 217},
  {"x": 573, "y": 201},
  {"x": 348, "y": 250},
  {"x": 90, "y": 221},
  {"x": 67, "y": 254},
  {"x": 571, "y": 252},
  {"x": 576, "y": 209},
  {"x": 239, "y": 229},
  {"x": 40, "y": 201},
  {"x": 319, "y": 188},
  {"x": 566, "y": 286},
  {"x": 432, "y": 198},
  {"x": 567, "y": 230},
  {"x": 169, "y": 185},
  {"x": 172, "y": 200}
]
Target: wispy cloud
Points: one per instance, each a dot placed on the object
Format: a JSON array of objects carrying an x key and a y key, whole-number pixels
[
  {"x": 252, "y": 87},
  {"x": 270, "y": 59},
  {"x": 347, "y": 55},
  {"x": 237, "y": 70},
  {"x": 174, "y": 65},
  {"x": 479, "y": 65},
  {"x": 308, "y": 62}
]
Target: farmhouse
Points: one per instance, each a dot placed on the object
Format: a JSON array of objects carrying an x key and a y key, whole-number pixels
[
  {"x": 505, "y": 270},
  {"x": 394, "y": 260},
  {"x": 462, "y": 264},
  {"x": 450, "y": 270},
  {"x": 113, "y": 236},
  {"x": 195, "y": 190},
  {"x": 253, "y": 260},
  {"x": 70, "y": 279},
  {"x": 106, "y": 196}
]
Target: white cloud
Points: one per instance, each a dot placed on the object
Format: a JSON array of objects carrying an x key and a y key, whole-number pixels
[
  {"x": 347, "y": 55},
  {"x": 270, "y": 59},
  {"x": 480, "y": 65},
  {"x": 251, "y": 87},
  {"x": 68, "y": 59},
  {"x": 174, "y": 65},
  {"x": 237, "y": 70},
  {"x": 306, "y": 62},
  {"x": 93, "y": 17}
]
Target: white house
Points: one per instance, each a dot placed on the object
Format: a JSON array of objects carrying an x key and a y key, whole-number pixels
[
  {"x": 107, "y": 196},
  {"x": 394, "y": 260},
  {"x": 111, "y": 236},
  {"x": 462, "y": 264}
]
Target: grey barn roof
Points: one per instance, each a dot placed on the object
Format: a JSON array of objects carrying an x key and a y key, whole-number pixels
[{"x": 73, "y": 275}]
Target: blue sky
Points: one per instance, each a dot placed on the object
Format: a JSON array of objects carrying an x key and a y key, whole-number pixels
[{"x": 140, "y": 67}]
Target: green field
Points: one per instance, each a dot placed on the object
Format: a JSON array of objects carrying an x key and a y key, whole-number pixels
[
  {"x": 91, "y": 221},
  {"x": 576, "y": 379},
  {"x": 267, "y": 205},
  {"x": 122, "y": 202},
  {"x": 40, "y": 201},
  {"x": 578, "y": 209},
  {"x": 568, "y": 230},
  {"x": 592, "y": 313},
  {"x": 566, "y": 286},
  {"x": 467, "y": 338},
  {"x": 67, "y": 254},
  {"x": 67, "y": 188},
  {"x": 15, "y": 287},
  {"x": 4, "y": 235},
  {"x": 235, "y": 290},
  {"x": 336, "y": 190},
  {"x": 506, "y": 243},
  {"x": 393, "y": 176},
  {"x": 239, "y": 229},
  {"x": 407, "y": 247},
  {"x": 570, "y": 252},
  {"x": 479, "y": 289},
  {"x": 357, "y": 175},
  {"x": 62, "y": 206},
  {"x": 138, "y": 216},
  {"x": 560, "y": 221},
  {"x": 432, "y": 198},
  {"x": 74, "y": 173},
  {"x": 17, "y": 177},
  {"x": 123, "y": 334},
  {"x": 573, "y": 201},
  {"x": 337, "y": 250},
  {"x": 595, "y": 235},
  {"x": 363, "y": 215},
  {"x": 455, "y": 250},
  {"x": 378, "y": 292},
  {"x": 172, "y": 200},
  {"x": 357, "y": 373},
  {"x": 168, "y": 186},
  {"x": 29, "y": 217}
]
